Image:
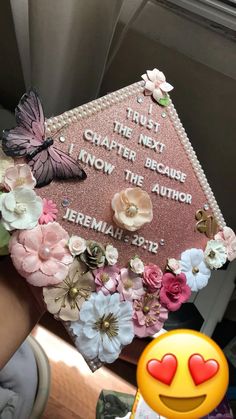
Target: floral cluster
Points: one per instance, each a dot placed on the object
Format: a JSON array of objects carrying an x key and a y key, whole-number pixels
[{"x": 105, "y": 304}]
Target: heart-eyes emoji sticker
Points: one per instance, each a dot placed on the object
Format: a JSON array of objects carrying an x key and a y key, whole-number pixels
[{"x": 182, "y": 374}]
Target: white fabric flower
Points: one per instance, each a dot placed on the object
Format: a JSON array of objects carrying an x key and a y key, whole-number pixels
[
  {"x": 215, "y": 254},
  {"x": 137, "y": 265},
  {"x": 77, "y": 245},
  {"x": 156, "y": 85},
  {"x": 193, "y": 265},
  {"x": 105, "y": 326},
  {"x": 21, "y": 209},
  {"x": 173, "y": 265},
  {"x": 5, "y": 162},
  {"x": 111, "y": 254}
]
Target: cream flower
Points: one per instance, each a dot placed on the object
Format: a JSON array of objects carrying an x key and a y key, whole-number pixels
[
  {"x": 132, "y": 208},
  {"x": 21, "y": 209},
  {"x": 215, "y": 254},
  {"x": 5, "y": 162},
  {"x": 137, "y": 265},
  {"x": 173, "y": 265},
  {"x": 76, "y": 245},
  {"x": 227, "y": 236},
  {"x": 156, "y": 85},
  {"x": 19, "y": 175},
  {"x": 111, "y": 254},
  {"x": 65, "y": 299}
]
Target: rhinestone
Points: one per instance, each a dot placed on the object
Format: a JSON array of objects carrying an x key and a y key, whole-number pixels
[
  {"x": 206, "y": 207},
  {"x": 162, "y": 242},
  {"x": 139, "y": 99},
  {"x": 163, "y": 115},
  {"x": 62, "y": 139},
  {"x": 65, "y": 202}
]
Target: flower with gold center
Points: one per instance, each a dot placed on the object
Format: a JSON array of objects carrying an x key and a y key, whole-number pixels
[
  {"x": 132, "y": 208},
  {"x": 149, "y": 315},
  {"x": 193, "y": 265},
  {"x": 65, "y": 299},
  {"x": 104, "y": 327},
  {"x": 215, "y": 254}
]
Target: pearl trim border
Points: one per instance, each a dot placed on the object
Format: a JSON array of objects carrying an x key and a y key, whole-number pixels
[
  {"x": 56, "y": 123},
  {"x": 196, "y": 164}
]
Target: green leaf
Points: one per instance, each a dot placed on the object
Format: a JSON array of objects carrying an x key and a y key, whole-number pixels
[
  {"x": 165, "y": 101},
  {"x": 4, "y": 240}
]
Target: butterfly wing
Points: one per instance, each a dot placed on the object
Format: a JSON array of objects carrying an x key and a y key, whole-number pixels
[
  {"x": 30, "y": 130},
  {"x": 53, "y": 163}
]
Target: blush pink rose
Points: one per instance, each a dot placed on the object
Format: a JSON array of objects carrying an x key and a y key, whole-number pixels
[
  {"x": 41, "y": 254},
  {"x": 227, "y": 236},
  {"x": 152, "y": 277},
  {"x": 19, "y": 175},
  {"x": 174, "y": 291}
]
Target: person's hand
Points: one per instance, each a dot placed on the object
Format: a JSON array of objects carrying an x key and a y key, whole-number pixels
[{"x": 21, "y": 306}]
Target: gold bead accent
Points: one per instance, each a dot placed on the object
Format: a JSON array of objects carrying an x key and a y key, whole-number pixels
[
  {"x": 146, "y": 309},
  {"x": 195, "y": 270},
  {"x": 131, "y": 210},
  {"x": 104, "y": 277},
  {"x": 106, "y": 325},
  {"x": 74, "y": 292},
  {"x": 212, "y": 254}
]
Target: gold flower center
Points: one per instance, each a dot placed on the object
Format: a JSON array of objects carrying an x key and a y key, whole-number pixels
[
  {"x": 195, "y": 270},
  {"x": 128, "y": 284},
  {"x": 73, "y": 292},
  {"x": 146, "y": 309},
  {"x": 104, "y": 277},
  {"x": 108, "y": 324},
  {"x": 212, "y": 254},
  {"x": 20, "y": 181},
  {"x": 131, "y": 210}
]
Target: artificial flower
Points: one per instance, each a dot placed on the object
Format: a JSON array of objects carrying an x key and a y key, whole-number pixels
[
  {"x": 174, "y": 291},
  {"x": 227, "y": 236},
  {"x": 77, "y": 245},
  {"x": 19, "y": 175},
  {"x": 156, "y": 85},
  {"x": 41, "y": 255},
  {"x": 130, "y": 285},
  {"x": 215, "y": 254},
  {"x": 106, "y": 279},
  {"x": 5, "y": 162},
  {"x": 49, "y": 213},
  {"x": 152, "y": 277},
  {"x": 149, "y": 315},
  {"x": 4, "y": 241},
  {"x": 194, "y": 267},
  {"x": 21, "y": 209},
  {"x": 94, "y": 255},
  {"x": 136, "y": 265},
  {"x": 173, "y": 265},
  {"x": 111, "y": 254},
  {"x": 104, "y": 327},
  {"x": 65, "y": 299},
  {"x": 132, "y": 208}
]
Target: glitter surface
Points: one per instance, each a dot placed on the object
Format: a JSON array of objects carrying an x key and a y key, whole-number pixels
[{"x": 174, "y": 222}]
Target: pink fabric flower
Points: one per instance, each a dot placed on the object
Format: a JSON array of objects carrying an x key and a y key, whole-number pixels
[
  {"x": 152, "y": 277},
  {"x": 19, "y": 175},
  {"x": 155, "y": 84},
  {"x": 49, "y": 213},
  {"x": 227, "y": 236},
  {"x": 149, "y": 315},
  {"x": 41, "y": 255},
  {"x": 106, "y": 279},
  {"x": 130, "y": 285},
  {"x": 174, "y": 291}
]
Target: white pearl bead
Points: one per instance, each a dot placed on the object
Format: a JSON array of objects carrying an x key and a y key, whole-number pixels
[{"x": 44, "y": 252}]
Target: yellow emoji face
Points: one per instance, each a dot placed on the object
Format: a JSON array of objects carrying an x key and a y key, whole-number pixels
[{"x": 182, "y": 374}]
